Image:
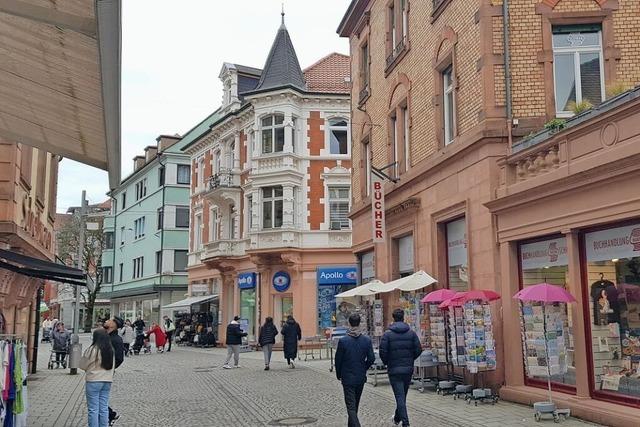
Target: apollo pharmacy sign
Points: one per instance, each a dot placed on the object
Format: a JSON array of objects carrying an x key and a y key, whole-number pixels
[{"x": 377, "y": 208}]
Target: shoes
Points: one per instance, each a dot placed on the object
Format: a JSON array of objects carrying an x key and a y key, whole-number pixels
[
  {"x": 236, "y": 366},
  {"x": 266, "y": 368},
  {"x": 226, "y": 367},
  {"x": 393, "y": 420},
  {"x": 115, "y": 418},
  {"x": 292, "y": 366}
]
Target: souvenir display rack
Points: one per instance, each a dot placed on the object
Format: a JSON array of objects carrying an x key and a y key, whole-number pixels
[
  {"x": 478, "y": 337},
  {"x": 438, "y": 333}
]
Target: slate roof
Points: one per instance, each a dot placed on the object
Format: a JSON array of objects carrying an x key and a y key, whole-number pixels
[
  {"x": 329, "y": 74},
  {"x": 248, "y": 70},
  {"x": 282, "y": 68}
]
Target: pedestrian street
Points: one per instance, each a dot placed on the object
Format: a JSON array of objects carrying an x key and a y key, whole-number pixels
[{"x": 188, "y": 387}]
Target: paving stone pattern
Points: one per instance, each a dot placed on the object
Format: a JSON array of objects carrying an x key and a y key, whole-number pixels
[{"x": 188, "y": 387}]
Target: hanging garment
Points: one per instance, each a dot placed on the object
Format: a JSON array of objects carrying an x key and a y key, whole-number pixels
[
  {"x": 18, "y": 406},
  {"x": 6, "y": 371},
  {"x": 600, "y": 300}
]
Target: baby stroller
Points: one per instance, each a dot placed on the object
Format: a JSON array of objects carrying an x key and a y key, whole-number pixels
[
  {"x": 46, "y": 335},
  {"x": 59, "y": 357},
  {"x": 141, "y": 343}
]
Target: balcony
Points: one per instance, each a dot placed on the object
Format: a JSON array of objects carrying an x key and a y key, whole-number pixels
[
  {"x": 296, "y": 238},
  {"x": 274, "y": 164},
  {"x": 223, "y": 249},
  {"x": 364, "y": 95},
  {"x": 225, "y": 185},
  {"x": 397, "y": 53}
]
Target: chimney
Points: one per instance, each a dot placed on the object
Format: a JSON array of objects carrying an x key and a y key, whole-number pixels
[
  {"x": 138, "y": 162},
  {"x": 150, "y": 152},
  {"x": 166, "y": 141}
]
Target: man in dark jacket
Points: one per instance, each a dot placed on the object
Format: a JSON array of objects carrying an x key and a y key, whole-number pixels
[
  {"x": 399, "y": 347},
  {"x": 112, "y": 326},
  {"x": 291, "y": 334},
  {"x": 354, "y": 357},
  {"x": 234, "y": 339}
]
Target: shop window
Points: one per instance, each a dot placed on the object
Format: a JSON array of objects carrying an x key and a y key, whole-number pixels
[
  {"x": 457, "y": 256},
  {"x": 272, "y": 134},
  {"x": 108, "y": 240},
  {"x": 184, "y": 174},
  {"x": 405, "y": 255},
  {"x": 338, "y": 140},
  {"x": 158, "y": 262},
  {"x": 248, "y": 311},
  {"x": 546, "y": 261},
  {"x": 339, "y": 208},
  {"x": 366, "y": 267},
  {"x": 577, "y": 66},
  {"x": 179, "y": 260},
  {"x": 182, "y": 217},
  {"x": 272, "y": 207},
  {"x": 613, "y": 280}
]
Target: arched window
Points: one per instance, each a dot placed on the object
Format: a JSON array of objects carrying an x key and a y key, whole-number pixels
[
  {"x": 272, "y": 133},
  {"x": 338, "y": 138}
]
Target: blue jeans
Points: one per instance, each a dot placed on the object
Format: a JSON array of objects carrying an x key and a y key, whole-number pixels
[
  {"x": 400, "y": 386},
  {"x": 98, "y": 402}
]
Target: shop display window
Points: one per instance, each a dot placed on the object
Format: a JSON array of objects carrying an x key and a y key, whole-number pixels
[
  {"x": 546, "y": 261},
  {"x": 457, "y": 256},
  {"x": 331, "y": 312},
  {"x": 613, "y": 292},
  {"x": 248, "y": 311}
]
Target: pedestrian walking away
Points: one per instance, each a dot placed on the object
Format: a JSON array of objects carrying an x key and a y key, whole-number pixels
[
  {"x": 169, "y": 329},
  {"x": 161, "y": 338},
  {"x": 233, "y": 341},
  {"x": 112, "y": 326},
  {"x": 127, "y": 337},
  {"x": 266, "y": 339},
  {"x": 399, "y": 348},
  {"x": 354, "y": 357},
  {"x": 98, "y": 362},
  {"x": 61, "y": 341},
  {"x": 291, "y": 334}
]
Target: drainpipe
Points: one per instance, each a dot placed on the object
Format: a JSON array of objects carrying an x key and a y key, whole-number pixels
[
  {"x": 507, "y": 69},
  {"x": 164, "y": 185}
]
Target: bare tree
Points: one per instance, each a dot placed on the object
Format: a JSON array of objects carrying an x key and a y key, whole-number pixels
[{"x": 68, "y": 240}]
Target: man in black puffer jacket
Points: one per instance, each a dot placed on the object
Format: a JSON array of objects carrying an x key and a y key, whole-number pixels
[{"x": 399, "y": 347}]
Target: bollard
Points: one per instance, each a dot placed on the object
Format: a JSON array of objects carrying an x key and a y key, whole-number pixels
[{"x": 75, "y": 353}]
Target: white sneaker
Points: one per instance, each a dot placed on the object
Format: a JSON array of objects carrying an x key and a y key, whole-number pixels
[{"x": 226, "y": 367}]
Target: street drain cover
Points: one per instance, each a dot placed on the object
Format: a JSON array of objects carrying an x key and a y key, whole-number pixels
[{"x": 293, "y": 421}]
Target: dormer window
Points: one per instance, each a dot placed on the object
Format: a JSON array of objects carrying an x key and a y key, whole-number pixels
[{"x": 272, "y": 134}]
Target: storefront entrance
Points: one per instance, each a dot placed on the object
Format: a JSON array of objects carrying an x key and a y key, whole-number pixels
[{"x": 282, "y": 307}]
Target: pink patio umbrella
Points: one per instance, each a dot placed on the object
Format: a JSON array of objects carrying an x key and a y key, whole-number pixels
[
  {"x": 454, "y": 301},
  {"x": 482, "y": 295},
  {"x": 545, "y": 293},
  {"x": 438, "y": 296}
]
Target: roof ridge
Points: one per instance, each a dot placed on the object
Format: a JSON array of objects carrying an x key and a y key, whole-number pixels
[{"x": 324, "y": 58}]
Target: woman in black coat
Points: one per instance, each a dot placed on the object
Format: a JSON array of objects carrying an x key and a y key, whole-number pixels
[
  {"x": 291, "y": 334},
  {"x": 267, "y": 339}
]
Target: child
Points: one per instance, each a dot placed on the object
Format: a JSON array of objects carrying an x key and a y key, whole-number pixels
[{"x": 98, "y": 362}]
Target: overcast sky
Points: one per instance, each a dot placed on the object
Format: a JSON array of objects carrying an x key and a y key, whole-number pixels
[{"x": 172, "y": 54}]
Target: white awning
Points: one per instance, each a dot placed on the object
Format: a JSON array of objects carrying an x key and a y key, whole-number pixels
[
  {"x": 413, "y": 282},
  {"x": 360, "y": 291},
  {"x": 188, "y": 302},
  {"x": 60, "y": 66}
]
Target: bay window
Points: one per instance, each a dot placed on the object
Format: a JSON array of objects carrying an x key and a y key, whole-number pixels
[
  {"x": 272, "y": 134},
  {"x": 339, "y": 208},
  {"x": 272, "y": 204}
]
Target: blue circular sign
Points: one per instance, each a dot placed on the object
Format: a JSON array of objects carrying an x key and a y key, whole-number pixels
[{"x": 281, "y": 281}]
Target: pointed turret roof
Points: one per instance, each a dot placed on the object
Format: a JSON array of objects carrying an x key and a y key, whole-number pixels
[{"x": 282, "y": 67}]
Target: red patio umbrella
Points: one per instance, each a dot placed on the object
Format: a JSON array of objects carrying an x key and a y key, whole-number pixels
[
  {"x": 438, "y": 296},
  {"x": 482, "y": 295}
]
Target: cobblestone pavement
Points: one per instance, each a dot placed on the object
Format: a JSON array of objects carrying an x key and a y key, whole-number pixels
[{"x": 187, "y": 387}]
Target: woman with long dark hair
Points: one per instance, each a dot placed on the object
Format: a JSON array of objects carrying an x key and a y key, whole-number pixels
[
  {"x": 98, "y": 363},
  {"x": 267, "y": 339}
]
